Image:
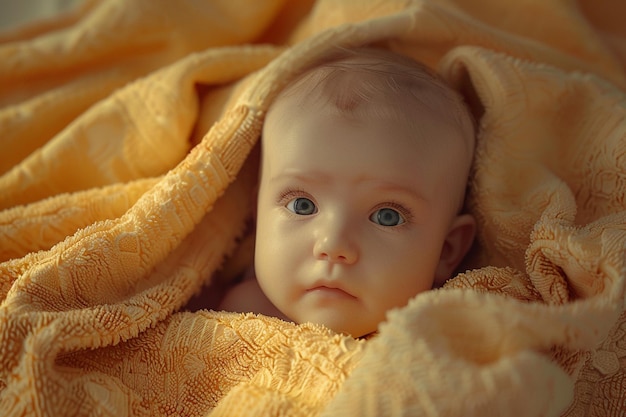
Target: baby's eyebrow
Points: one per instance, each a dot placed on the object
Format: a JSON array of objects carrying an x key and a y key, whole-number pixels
[
  {"x": 396, "y": 188},
  {"x": 308, "y": 177},
  {"x": 381, "y": 185}
]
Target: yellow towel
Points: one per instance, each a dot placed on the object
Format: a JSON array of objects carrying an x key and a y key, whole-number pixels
[{"x": 127, "y": 131}]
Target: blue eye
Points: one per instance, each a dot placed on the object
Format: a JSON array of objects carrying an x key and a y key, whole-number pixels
[
  {"x": 302, "y": 206},
  {"x": 387, "y": 217}
]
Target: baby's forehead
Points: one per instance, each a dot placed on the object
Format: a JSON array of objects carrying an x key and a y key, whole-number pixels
[
  {"x": 374, "y": 80},
  {"x": 376, "y": 85}
]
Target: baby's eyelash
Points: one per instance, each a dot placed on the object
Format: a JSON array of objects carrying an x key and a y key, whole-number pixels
[
  {"x": 406, "y": 213},
  {"x": 289, "y": 194}
]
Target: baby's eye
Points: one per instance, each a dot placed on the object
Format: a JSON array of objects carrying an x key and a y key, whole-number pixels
[
  {"x": 302, "y": 206},
  {"x": 387, "y": 217}
]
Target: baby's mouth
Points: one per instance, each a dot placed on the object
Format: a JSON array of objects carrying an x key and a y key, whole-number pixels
[{"x": 329, "y": 290}]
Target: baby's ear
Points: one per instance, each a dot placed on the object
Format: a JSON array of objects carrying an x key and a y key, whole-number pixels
[{"x": 458, "y": 242}]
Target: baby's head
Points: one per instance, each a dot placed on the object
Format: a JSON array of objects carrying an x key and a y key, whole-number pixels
[{"x": 365, "y": 161}]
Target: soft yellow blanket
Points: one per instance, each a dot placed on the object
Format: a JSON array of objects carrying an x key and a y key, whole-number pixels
[{"x": 125, "y": 129}]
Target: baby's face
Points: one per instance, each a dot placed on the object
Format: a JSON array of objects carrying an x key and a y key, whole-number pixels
[{"x": 352, "y": 214}]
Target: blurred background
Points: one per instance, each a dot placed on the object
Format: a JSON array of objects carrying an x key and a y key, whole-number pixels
[{"x": 16, "y": 12}]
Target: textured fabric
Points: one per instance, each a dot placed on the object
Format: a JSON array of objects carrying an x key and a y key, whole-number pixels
[{"x": 127, "y": 140}]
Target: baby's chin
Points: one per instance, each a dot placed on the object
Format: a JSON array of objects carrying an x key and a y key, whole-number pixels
[
  {"x": 341, "y": 314},
  {"x": 349, "y": 326}
]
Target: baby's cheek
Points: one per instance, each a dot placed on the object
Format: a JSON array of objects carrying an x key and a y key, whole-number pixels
[{"x": 399, "y": 293}]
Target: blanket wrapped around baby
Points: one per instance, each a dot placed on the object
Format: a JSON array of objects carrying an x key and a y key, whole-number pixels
[{"x": 127, "y": 143}]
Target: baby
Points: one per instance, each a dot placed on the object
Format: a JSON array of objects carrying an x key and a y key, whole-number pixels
[{"x": 364, "y": 165}]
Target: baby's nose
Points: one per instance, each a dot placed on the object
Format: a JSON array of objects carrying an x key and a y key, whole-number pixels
[{"x": 336, "y": 244}]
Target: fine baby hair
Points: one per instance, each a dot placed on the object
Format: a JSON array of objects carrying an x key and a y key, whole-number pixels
[{"x": 348, "y": 78}]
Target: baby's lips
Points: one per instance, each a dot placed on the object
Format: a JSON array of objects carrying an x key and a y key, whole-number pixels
[{"x": 331, "y": 287}]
